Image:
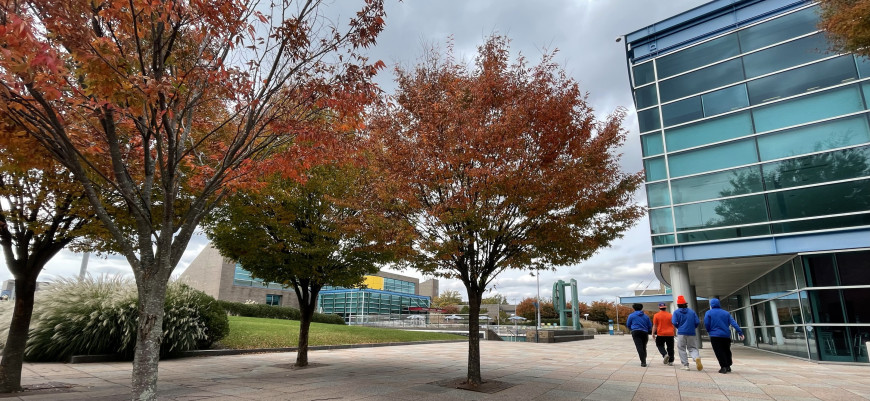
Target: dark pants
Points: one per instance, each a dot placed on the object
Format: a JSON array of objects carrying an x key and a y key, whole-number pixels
[
  {"x": 722, "y": 349},
  {"x": 640, "y": 338},
  {"x": 661, "y": 342}
]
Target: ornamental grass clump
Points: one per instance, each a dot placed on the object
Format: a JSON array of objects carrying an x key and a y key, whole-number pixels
[{"x": 95, "y": 316}]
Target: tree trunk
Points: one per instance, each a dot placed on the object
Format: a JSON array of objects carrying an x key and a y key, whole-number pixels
[
  {"x": 152, "y": 294},
  {"x": 13, "y": 352},
  {"x": 307, "y": 304},
  {"x": 474, "y": 297},
  {"x": 307, "y": 312}
]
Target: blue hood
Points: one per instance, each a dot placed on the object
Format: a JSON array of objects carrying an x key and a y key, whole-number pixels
[
  {"x": 718, "y": 321},
  {"x": 685, "y": 321}
]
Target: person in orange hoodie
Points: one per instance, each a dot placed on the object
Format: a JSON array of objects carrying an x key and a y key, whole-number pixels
[{"x": 663, "y": 332}]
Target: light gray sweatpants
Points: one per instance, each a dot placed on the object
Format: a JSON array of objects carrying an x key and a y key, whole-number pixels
[{"x": 689, "y": 343}]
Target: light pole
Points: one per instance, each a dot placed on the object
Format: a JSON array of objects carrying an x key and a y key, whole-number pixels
[
  {"x": 538, "y": 305},
  {"x": 84, "y": 267},
  {"x": 617, "y": 315},
  {"x": 586, "y": 315}
]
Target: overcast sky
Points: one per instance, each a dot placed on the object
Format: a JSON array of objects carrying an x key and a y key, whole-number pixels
[{"x": 584, "y": 32}]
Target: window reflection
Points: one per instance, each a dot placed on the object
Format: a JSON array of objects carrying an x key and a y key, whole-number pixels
[
  {"x": 712, "y": 77},
  {"x": 713, "y": 158},
  {"x": 709, "y": 131},
  {"x": 740, "y": 181},
  {"x": 844, "y": 197},
  {"x": 818, "y": 168},
  {"x": 643, "y": 74},
  {"x": 725, "y": 212},
  {"x": 808, "y": 108},
  {"x": 779, "y": 29},
  {"x": 786, "y": 55},
  {"x": 645, "y": 97},
  {"x": 652, "y": 144},
  {"x": 697, "y": 56},
  {"x": 815, "y": 76}
]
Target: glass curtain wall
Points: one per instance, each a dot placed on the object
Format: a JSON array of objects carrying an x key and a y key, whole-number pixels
[
  {"x": 348, "y": 303},
  {"x": 244, "y": 278},
  {"x": 390, "y": 284},
  {"x": 812, "y": 306},
  {"x": 757, "y": 132}
]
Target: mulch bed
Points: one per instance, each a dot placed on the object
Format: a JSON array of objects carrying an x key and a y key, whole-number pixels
[
  {"x": 294, "y": 367},
  {"x": 488, "y": 387}
]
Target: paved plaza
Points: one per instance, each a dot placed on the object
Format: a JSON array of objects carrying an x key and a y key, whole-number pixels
[{"x": 605, "y": 368}]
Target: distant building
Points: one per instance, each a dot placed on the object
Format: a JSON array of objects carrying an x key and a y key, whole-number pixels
[
  {"x": 7, "y": 291},
  {"x": 386, "y": 293}
]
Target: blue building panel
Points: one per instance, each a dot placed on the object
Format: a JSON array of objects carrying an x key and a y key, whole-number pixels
[
  {"x": 756, "y": 146},
  {"x": 700, "y": 23}
]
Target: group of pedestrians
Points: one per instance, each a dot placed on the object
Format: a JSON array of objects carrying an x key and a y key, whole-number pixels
[{"x": 683, "y": 324}]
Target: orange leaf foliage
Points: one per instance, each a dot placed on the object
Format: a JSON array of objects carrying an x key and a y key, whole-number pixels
[
  {"x": 847, "y": 23},
  {"x": 501, "y": 165}
]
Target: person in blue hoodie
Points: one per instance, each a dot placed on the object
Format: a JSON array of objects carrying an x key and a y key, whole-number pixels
[
  {"x": 686, "y": 321},
  {"x": 717, "y": 322},
  {"x": 641, "y": 327}
]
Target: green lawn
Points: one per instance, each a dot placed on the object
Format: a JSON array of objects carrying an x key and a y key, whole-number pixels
[{"x": 251, "y": 332}]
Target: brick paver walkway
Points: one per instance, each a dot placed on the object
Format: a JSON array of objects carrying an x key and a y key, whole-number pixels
[{"x": 605, "y": 368}]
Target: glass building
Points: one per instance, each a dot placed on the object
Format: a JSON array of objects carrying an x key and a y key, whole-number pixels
[
  {"x": 382, "y": 296},
  {"x": 756, "y": 150}
]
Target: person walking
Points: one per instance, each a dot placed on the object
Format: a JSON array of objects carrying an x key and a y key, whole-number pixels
[
  {"x": 686, "y": 322},
  {"x": 663, "y": 333},
  {"x": 640, "y": 326},
  {"x": 717, "y": 322}
]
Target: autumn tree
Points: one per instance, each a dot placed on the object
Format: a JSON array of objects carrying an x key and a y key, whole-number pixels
[
  {"x": 42, "y": 210},
  {"x": 847, "y": 23},
  {"x": 450, "y": 309},
  {"x": 495, "y": 299},
  {"x": 602, "y": 311},
  {"x": 526, "y": 309},
  {"x": 500, "y": 166},
  {"x": 598, "y": 311},
  {"x": 304, "y": 235},
  {"x": 447, "y": 298},
  {"x": 548, "y": 310},
  {"x": 582, "y": 308},
  {"x": 167, "y": 106}
]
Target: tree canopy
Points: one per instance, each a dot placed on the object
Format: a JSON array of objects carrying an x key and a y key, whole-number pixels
[
  {"x": 42, "y": 211},
  {"x": 168, "y": 106},
  {"x": 447, "y": 298},
  {"x": 497, "y": 166},
  {"x": 303, "y": 235},
  {"x": 847, "y": 23},
  {"x": 495, "y": 299}
]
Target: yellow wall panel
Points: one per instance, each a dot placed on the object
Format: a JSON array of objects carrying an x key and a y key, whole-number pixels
[{"x": 374, "y": 282}]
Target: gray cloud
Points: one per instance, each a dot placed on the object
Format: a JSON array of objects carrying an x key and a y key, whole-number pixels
[{"x": 584, "y": 31}]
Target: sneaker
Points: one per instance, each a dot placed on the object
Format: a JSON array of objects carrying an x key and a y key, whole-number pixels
[
  {"x": 723, "y": 370},
  {"x": 685, "y": 367},
  {"x": 728, "y": 369},
  {"x": 643, "y": 364},
  {"x": 665, "y": 360},
  {"x": 698, "y": 363},
  {"x": 670, "y": 364}
]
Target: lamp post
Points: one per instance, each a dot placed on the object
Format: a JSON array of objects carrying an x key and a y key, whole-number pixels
[
  {"x": 586, "y": 315},
  {"x": 538, "y": 305},
  {"x": 617, "y": 315}
]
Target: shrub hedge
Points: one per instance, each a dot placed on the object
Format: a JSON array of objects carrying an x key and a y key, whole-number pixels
[
  {"x": 99, "y": 316},
  {"x": 275, "y": 312}
]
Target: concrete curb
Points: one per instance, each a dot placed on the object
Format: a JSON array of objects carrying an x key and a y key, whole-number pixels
[{"x": 221, "y": 352}]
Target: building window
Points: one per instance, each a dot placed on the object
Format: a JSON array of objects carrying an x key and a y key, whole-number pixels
[
  {"x": 243, "y": 277},
  {"x": 273, "y": 300}
]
